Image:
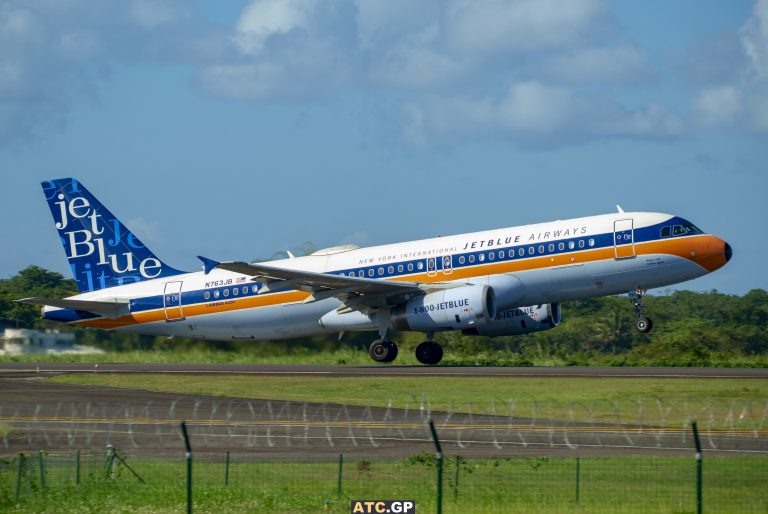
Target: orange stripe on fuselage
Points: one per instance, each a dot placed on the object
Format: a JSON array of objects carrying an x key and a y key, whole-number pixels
[{"x": 705, "y": 250}]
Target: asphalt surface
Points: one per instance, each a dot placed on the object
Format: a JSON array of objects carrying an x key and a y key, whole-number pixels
[
  {"x": 47, "y": 369},
  {"x": 45, "y": 415}
]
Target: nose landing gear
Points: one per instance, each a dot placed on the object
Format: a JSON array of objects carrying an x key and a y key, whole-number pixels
[{"x": 643, "y": 324}]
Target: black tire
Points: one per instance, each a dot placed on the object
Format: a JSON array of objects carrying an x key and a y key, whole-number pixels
[
  {"x": 392, "y": 351},
  {"x": 429, "y": 353},
  {"x": 644, "y": 325},
  {"x": 382, "y": 351}
]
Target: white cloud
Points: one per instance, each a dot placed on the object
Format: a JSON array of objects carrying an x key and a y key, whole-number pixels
[
  {"x": 262, "y": 19},
  {"x": 535, "y": 107},
  {"x": 718, "y": 105},
  {"x": 754, "y": 38},
  {"x": 597, "y": 65},
  {"x": 491, "y": 26}
]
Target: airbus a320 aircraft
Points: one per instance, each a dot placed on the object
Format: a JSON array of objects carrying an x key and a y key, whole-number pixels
[{"x": 499, "y": 282}]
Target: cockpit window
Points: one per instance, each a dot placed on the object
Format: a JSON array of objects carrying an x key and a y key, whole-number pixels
[{"x": 679, "y": 230}]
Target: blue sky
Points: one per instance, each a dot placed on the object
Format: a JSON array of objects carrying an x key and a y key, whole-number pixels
[{"x": 237, "y": 129}]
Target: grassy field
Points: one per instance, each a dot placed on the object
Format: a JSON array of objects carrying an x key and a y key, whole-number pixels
[
  {"x": 615, "y": 485},
  {"x": 668, "y": 401}
]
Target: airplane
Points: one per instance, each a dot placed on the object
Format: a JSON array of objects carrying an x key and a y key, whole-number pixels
[{"x": 501, "y": 282}]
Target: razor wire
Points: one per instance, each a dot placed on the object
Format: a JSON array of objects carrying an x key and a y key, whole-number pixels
[{"x": 729, "y": 425}]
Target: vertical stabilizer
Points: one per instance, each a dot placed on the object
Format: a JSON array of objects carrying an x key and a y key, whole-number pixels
[{"x": 101, "y": 251}]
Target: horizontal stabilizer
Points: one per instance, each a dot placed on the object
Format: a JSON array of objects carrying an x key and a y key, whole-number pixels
[{"x": 108, "y": 309}]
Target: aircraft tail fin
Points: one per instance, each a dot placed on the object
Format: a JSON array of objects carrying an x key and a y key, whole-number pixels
[{"x": 101, "y": 251}]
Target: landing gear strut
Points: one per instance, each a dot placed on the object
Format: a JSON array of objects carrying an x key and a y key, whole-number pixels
[
  {"x": 383, "y": 351},
  {"x": 642, "y": 324}
]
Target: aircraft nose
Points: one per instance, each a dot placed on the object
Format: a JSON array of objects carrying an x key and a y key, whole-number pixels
[{"x": 728, "y": 252}]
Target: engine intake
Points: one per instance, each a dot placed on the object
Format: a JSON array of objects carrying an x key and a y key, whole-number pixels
[{"x": 450, "y": 309}]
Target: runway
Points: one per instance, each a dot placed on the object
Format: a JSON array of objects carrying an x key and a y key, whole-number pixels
[
  {"x": 51, "y": 416},
  {"x": 9, "y": 370}
]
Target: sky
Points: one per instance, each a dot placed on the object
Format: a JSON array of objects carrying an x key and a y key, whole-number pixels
[{"x": 238, "y": 129}]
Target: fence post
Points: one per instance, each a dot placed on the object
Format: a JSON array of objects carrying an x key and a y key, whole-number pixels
[
  {"x": 439, "y": 457},
  {"x": 41, "y": 460},
  {"x": 226, "y": 470},
  {"x": 699, "y": 463},
  {"x": 19, "y": 473},
  {"x": 189, "y": 466},
  {"x": 110, "y": 464},
  {"x": 456, "y": 478},
  {"x": 77, "y": 467},
  {"x": 341, "y": 467},
  {"x": 578, "y": 478}
]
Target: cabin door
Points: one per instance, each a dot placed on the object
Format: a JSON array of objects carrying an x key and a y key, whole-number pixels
[
  {"x": 172, "y": 301},
  {"x": 624, "y": 238}
]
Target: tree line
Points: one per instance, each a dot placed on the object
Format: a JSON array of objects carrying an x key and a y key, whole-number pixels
[{"x": 690, "y": 328}]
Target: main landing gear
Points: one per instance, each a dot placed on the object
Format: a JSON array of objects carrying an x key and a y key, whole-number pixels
[
  {"x": 383, "y": 351},
  {"x": 429, "y": 352},
  {"x": 643, "y": 324}
]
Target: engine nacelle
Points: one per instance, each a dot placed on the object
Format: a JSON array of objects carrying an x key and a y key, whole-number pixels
[
  {"x": 450, "y": 309},
  {"x": 522, "y": 320}
]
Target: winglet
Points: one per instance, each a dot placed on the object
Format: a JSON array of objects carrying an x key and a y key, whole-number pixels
[{"x": 208, "y": 264}]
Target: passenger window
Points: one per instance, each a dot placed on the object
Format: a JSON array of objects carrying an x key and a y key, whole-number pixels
[
  {"x": 245, "y": 289},
  {"x": 399, "y": 268},
  {"x": 207, "y": 295},
  {"x": 226, "y": 293},
  {"x": 591, "y": 242},
  {"x": 581, "y": 243},
  {"x": 410, "y": 266},
  {"x": 561, "y": 246},
  {"x": 501, "y": 254},
  {"x": 215, "y": 294},
  {"x": 551, "y": 247},
  {"x": 491, "y": 256},
  {"x": 571, "y": 245},
  {"x": 471, "y": 258},
  {"x": 481, "y": 257},
  {"x": 255, "y": 289},
  {"x": 511, "y": 253},
  {"x": 360, "y": 273},
  {"x": 461, "y": 260},
  {"x": 541, "y": 248},
  {"x": 235, "y": 291},
  {"x": 420, "y": 265},
  {"x": 381, "y": 271},
  {"x": 666, "y": 231},
  {"x": 531, "y": 250},
  {"x": 370, "y": 272},
  {"x": 391, "y": 270},
  {"x": 521, "y": 252}
]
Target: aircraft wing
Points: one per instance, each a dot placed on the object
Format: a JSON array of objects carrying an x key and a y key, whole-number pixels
[
  {"x": 353, "y": 291},
  {"x": 108, "y": 309}
]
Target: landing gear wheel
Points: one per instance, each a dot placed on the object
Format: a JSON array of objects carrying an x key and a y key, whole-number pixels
[
  {"x": 644, "y": 325},
  {"x": 429, "y": 353},
  {"x": 383, "y": 351}
]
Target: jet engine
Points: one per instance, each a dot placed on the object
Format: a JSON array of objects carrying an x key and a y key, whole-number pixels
[
  {"x": 521, "y": 320},
  {"x": 450, "y": 309}
]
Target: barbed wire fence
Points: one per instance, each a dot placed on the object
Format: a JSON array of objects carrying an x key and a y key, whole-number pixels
[
  {"x": 279, "y": 456},
  {"x": 735, "y": 425}
]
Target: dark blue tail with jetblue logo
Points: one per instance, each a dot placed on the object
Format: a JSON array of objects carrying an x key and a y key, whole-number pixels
[{"x": 101, "y": 251}]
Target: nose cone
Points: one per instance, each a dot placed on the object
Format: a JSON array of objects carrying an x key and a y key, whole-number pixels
[{"x": 711, "y": 252}]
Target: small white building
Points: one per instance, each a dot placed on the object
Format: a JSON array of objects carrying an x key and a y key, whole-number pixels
[{"x": 23, "y": 341}]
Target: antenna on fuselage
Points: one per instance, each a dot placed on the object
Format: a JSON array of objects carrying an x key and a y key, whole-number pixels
[{"x": 618, "y": 208}]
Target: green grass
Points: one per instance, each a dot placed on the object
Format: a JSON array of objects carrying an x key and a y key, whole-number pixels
[
  {"x": 608, "y": 485},
  {"x": 633, "y": 400}
]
